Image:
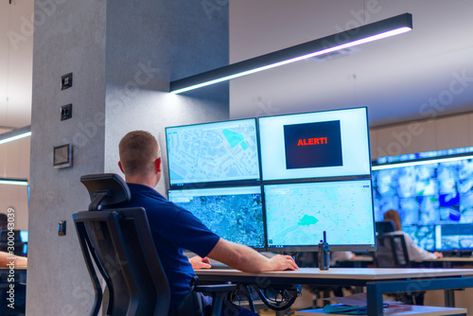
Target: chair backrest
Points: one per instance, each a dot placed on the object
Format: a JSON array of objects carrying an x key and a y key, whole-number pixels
[
  {"x": 384, "y": 227},
  {"x": 118, "y": 241},
  {"x": 392, "y": 251}
]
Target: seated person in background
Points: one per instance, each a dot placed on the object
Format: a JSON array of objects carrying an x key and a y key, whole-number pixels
[
  {"x": 175, "y": 229},
  {"x": 415, "y": 253}
]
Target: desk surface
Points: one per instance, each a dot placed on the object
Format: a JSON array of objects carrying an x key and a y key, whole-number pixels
[
  {"x": 367, "y": 274},
  {"x": 451, "y": 259}
]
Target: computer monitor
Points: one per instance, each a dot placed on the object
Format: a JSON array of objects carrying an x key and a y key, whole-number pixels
[
  {"x": 315, "y": 145},
  {"x": 298, "y": 213},
  {"x": 24, "y": 235},
  {"x": 454, "y": 237},
  {"x": 212, "y": 152},
  {"x": 235, "y": 213}
]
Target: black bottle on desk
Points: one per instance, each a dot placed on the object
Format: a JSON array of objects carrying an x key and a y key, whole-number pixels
[{"x": 324, "y": 254}]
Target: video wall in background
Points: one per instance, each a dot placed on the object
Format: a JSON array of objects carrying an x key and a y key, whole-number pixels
[{"x": 434, "y": 199}]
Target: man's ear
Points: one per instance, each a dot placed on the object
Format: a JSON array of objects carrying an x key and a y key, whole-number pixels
[
  {"x": 121, "y": 166},
  {"x": 157, "y": 165}
]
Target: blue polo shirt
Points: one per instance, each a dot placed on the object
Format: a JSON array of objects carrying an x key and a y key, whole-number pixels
[{"x": 174, "y": 229}]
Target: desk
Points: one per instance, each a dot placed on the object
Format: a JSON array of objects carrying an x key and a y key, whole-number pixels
[
  {"x": 450, "y": 261},
  {"x": 377, "y": 281}
]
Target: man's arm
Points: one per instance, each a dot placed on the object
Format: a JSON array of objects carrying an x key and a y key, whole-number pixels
[{"x": 248, "y": 260}]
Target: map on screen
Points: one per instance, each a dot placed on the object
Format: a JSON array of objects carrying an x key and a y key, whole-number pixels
[
  {"x": 223, "y": 151},
  {"x": 234, "y": 214},
  {"x": 297, "y": 214}
]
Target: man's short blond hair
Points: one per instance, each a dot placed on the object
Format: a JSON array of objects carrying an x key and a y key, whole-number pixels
[{"x": 138, "y": 151}]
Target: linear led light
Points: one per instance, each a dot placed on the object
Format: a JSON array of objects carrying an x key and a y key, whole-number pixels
[
  {"x": 419, "y": 162},
  {"x": 15, "y": 134},
  {"x": 11, "y": 181},
  {"x": 353, "y": 37}
]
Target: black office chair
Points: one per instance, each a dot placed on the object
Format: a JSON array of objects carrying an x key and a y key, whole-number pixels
[
  {"x": 119, "y": 243},
  {"x": 392, "y": 253},
  {"x": 384, "y": 227}
]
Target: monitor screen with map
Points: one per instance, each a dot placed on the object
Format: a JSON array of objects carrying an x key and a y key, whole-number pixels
[
  {"x": 212, "y": 152},
  {"x": 298, "y": 213},
  {"x": 315, "y": 145},
  {"x": 235, "y": 214}
]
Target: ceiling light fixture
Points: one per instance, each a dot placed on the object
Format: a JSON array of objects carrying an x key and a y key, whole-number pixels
[
  {"x": 353, "y": 37},
  {"x": 15, "y": 134},
  {"x": 13, "y": 181}
]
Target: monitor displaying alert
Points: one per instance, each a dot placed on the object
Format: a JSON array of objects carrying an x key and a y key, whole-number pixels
[
  {"x": 315, "y": 145},
  {"x": 213, "y": 152}
]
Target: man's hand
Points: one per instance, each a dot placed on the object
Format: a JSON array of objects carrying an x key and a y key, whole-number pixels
[
  {"x": 200, "y": 263},
  {"x": 282, "y": 263}
]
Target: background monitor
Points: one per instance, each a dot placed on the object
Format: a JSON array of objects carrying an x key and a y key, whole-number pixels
[
  {"x": 235, "y": 214},
  {"x": 213, "y": 152},
  {"x": 315, "y": 145},
  {"x": 454, "y": 237},
  {"x": 427, "y": 193},
  {"x": 298, "y": 213},
  {"x": 422, "y": 235},
  {"x": 24, "y": 235}
]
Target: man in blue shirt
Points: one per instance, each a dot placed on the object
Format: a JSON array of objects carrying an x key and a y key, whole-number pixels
[{"x": 175, "y": 229}]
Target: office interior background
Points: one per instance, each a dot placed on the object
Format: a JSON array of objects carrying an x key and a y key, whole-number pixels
[{"x": 418, "y": 88}]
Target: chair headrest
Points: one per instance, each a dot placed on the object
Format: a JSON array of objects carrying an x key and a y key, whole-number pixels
[
  {"x": 385, "y": 227},
  {"x": 105, "y": 189}
]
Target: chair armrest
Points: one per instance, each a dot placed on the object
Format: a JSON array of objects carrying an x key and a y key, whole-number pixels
[{"x": 215, "y": 288}]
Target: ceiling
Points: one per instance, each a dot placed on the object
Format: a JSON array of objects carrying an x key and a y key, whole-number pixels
[
  {"x": 16, "y": 59},
  {"x": 399, "y": 78}
]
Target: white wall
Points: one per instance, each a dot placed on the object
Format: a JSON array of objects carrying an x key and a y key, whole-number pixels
[
  {"x": 417, "y": 136},
  {"x": 15, "y": 163}
]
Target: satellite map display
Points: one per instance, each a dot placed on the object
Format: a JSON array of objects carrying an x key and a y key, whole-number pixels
[
  {"x": 232, "y": 213},
  {"x": 297, "y": 214},
  {"x": 222, "y": 151}
]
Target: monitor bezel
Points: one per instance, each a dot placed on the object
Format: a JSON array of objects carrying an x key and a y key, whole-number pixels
[
  {"x": 314, "y": 248},
  {"x": 262, "y": 209},
  {"x": 213, "y": 184},
  {"x": 315, "y": 112}
]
